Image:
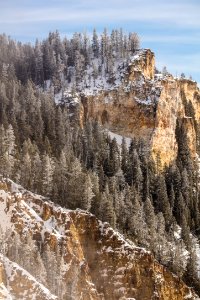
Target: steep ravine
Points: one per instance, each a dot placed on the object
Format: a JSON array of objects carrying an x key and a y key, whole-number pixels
[{"x": 99, "y": 262}]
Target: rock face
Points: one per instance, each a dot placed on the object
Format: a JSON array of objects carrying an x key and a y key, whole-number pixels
[
  {"x": 171, "y": 107},
  {"x": 16, "y": 283},
  {"x": 99, "y": 263},
  {"x": 145, "y": 105}
]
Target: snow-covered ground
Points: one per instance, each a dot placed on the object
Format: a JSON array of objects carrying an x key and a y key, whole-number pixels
[
  {"x": 29, "y": 286},
  {"x": 119, "y": 138},
  {"x": 94, "y": 82}
]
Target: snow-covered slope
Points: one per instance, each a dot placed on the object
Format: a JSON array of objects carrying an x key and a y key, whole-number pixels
[
  {"x": 97, "y": 262},
  {"x": 16, "y": 283},
  {"x": 90, "y": 85}
]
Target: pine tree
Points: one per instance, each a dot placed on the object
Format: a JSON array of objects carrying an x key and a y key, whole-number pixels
[
  {"x": 124, "y": 156},
  {"x": 25, "y": 171},
  {"x": 137, "y": 172},
  {"x": 162, "y": 202},
  {"x": 75, "y": 185},
  {"x": 179, "y": 260},
  {"x": 39, "y": 72},
  {"x": 50, "y": 264},
  {"x": 79, "y": 66},
  {"x": 107, "y": 209},
  {"x": 138, "y": 225},
  {"x": 134, "y": 42},
  {"x": 88, "y": 195},
  {"x": 95, "y": 44},
  {"x": 36, "y": 170},
  {"x": 7, "y": 151},
  {"x": 47, "y": 175},
  {"x": 39, "y": 270}
]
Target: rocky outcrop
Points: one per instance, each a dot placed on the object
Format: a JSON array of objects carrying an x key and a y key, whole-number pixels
[
  {"x": 145, "y": 105},
  {"x": 171, "y": 107},
  {"x": 122, "y": 271},
  {"x": 99, "y": 262},
  {"x": 16, "y": 283},
  {"x": 130, "y": 108}
]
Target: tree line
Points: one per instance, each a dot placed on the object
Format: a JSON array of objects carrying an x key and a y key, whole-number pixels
[
  {"x": 84, "y": 168},
  {"x": 57, "y": 59}
]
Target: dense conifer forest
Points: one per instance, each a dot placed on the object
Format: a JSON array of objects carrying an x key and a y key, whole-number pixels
[{"x": 82, "y": 167}]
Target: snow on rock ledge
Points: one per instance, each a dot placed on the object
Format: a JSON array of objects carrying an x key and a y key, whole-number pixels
[
  {"x": 142, "y": 104},
  {"x": 16, "y": 283},
  {"x": 99, "y": 263}
]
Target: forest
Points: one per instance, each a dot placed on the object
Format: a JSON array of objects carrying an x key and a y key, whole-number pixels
[{"x": 82, "y": 167}]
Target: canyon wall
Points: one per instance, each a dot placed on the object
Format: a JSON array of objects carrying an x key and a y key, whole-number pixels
[
  {"x": 146, "y": 105},
  {"x": 99, "y": 262}
]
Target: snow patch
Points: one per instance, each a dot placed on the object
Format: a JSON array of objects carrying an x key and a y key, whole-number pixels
[
  {"x": 13, "y": 270},
  {"x": 4, "y": 293},
  {"x": 58, "y": 97},
  {"x": 119, "y": 138}
]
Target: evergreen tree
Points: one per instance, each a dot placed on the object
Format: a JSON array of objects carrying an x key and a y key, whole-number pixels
[
  {"x": 47, "y": 175},
  {"x": 95, "y": 44}
]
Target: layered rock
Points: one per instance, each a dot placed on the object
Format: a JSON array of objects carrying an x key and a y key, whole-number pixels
[
  {"x": 170, "y": 108},
  {"x": 100, "y": 263},
  {"x": 128, "y": 109},
  {"x": 145, "y": 105}
]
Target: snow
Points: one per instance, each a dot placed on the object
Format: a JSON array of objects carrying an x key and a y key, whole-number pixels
[
  {"x": 70, "y": 99},
  {"x": 119, "y": 138},
  {"x": 29, "y": 210},
  {"x": 122, "y": 290},
  {"x": 177, "y": 233},
  {"x": 126, "y": 247},
  {"x": 15, "y": 188},
  {"x": 50, "y": 226},
  {"x": 4, "y": 292},
  {"x": 185, "y": 253},
  {"x": 189, "y": 296},
  {"x": 5, "y": 214},
  {"x": 159, "y": 76},
  {"x": 58, "y": 97},
  {"x": 48, "y": 83},
  {"x": 198, "y": 256},
  {"x": 92, "y": 84},
  {"x": 14, "y": 271},
  {"x": 109, "y": 250},
  {"x": 147, "y": 101}
]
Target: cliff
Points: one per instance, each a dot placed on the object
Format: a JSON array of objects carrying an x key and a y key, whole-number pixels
[
  {"x": 16, "y": 283},
  {"x": 98, "y": 262},
  {"x": 142, "y": 104}
]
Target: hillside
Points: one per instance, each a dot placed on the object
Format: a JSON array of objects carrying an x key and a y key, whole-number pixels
[
  {"x": 98, "y": 263},
  {"x": 143, "y": 104},
  {"x": 16, "y": 283},
  {"x": 90, "y": 124}
]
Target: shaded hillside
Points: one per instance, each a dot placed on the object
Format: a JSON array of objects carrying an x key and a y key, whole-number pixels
[{"x": 91, "y": 124}]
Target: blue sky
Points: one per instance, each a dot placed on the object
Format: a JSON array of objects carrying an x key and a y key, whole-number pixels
[{"x": 171, "y": 28}]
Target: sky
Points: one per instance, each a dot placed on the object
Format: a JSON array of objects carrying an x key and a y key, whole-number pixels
[{"x": 170, "y": 28}]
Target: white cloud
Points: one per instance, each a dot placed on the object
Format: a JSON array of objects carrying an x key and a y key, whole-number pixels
[
  {"x": 183, "y": 14},
  {"x": 169, "y": 23},
  {"x": 176, "y": 38}
]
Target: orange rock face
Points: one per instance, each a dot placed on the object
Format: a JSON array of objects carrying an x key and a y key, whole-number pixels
[
  {"x": 146, "y": 106},
  {"x": 100, "y": 263}
]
